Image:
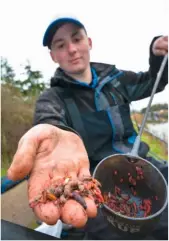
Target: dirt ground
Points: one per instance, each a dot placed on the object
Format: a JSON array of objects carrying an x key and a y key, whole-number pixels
[{"x": 15, "y": 208}]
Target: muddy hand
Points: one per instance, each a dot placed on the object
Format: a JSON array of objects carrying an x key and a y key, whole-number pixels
[{"x": 49, "y": 154}]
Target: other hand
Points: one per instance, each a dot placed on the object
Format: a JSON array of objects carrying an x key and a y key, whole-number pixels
[{"x": 160, "y": 46}]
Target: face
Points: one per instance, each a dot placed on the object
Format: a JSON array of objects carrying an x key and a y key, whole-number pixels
[{"x": 70, "y": 48}]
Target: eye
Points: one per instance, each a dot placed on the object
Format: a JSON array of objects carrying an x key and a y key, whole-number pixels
[
  {"x": 60, "y": 46},
  {"x": 76, "y": 40}
]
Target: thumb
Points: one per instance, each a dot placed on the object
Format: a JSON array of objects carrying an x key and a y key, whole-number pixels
[{"x": 23, "y": 159}]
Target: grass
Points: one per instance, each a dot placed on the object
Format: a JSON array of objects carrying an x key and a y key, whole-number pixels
[
  {"x": 3, "y": 172},
  {"x": 156, "y": 146}
]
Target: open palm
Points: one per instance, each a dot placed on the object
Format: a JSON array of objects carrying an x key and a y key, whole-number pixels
[{"x": 48, "y": 154}]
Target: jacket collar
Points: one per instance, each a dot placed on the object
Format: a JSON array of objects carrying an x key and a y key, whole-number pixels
[{"x": 61, "y": 79}]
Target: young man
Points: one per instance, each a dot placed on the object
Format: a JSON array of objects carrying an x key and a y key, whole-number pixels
[{"x": 83, "y": 117}]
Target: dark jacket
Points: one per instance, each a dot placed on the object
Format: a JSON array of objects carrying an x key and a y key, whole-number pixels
[{"x": 99, "y": 112}]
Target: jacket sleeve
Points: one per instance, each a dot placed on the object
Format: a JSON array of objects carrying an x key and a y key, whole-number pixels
[
  {"x": 50, "y": 109},
  {"x": 136, "y": 86}
]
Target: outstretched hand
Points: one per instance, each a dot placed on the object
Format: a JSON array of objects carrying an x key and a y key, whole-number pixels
[{"x": 50, "y": 154}]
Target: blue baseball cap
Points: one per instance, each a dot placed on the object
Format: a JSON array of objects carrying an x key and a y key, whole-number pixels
[{"x": 55, "y": 25}]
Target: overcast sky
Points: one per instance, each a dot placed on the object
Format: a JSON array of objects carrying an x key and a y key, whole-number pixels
[{"x": 121, "y": 31}]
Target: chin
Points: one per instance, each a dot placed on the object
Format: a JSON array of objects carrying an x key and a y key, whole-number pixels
[{"x": 77, "y": 70}]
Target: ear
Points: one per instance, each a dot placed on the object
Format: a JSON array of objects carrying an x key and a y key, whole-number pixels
[
  {"x": 90, "y": 43},
  {"x": 52, "y": 55}
]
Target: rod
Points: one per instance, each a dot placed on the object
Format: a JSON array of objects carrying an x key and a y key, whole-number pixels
[{"x": 138, "y": 138}]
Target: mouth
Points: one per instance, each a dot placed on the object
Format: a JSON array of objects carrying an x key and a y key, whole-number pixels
[{"x": 74, "y": 61}]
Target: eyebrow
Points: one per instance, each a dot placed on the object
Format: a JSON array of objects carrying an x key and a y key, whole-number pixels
[
  {"x": 57, "y": 41},
  {"x": 61, "y": 40},
  {"x": 75, "y": 33}
]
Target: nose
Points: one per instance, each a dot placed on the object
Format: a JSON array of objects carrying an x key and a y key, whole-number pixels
[{"x": 72, "y": 48}]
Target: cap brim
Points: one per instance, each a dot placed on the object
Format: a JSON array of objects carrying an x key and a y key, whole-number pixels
[{"x": 54, "y": 26}]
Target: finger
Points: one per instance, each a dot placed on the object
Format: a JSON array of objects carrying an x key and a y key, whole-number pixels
[
  {"x": 162, "y": 44},
  {"x": 73, "y": 213},
  {"x": 48, "y": 212},
  {"x": 91, "y": 207},
  {"x": 23, "y": 160},
  {"x": 37, "y": 183},
  {"x": 160, "y": 52},
  {"x": 165, "y": 38},
  {"x": 40, "y": 180}
]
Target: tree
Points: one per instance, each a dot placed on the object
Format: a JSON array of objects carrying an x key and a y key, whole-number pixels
[
  {"x": 7, "y": 73},
  {"x": 156, "y": 107},
  {"x": 31, "y": 85}
]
